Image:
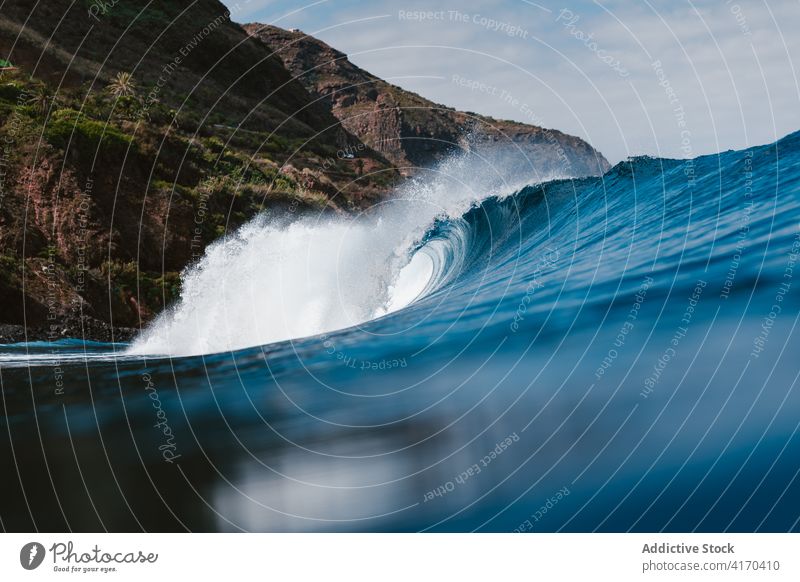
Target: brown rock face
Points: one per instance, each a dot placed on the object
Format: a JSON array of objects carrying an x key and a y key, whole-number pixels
[{"x": 408, "y": 129}]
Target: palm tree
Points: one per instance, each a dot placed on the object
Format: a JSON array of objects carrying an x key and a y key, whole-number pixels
[
  {"x": 122, "y": 85},
  {"x": 42, "y": 99}
]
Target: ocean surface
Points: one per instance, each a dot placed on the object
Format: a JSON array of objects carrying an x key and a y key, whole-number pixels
[{"x": 492, "y": 350}]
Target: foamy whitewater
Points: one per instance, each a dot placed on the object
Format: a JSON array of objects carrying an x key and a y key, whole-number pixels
[{"x": 279, "y": 278}]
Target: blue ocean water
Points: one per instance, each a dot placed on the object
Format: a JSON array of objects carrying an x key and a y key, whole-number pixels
[{"x": 597, "y": 354}]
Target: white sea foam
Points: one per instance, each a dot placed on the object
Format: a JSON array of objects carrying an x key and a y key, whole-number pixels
[{"x": 276, "y": 279}]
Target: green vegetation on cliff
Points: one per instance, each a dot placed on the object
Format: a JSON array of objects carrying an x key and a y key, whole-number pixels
[{"x": 131, "y": 138}]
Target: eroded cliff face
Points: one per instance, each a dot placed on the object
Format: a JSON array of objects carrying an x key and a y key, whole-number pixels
[{"x": 410, "y": 130}]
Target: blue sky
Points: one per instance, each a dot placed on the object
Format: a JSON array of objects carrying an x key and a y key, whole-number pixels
[{"x": 667, "y": 78}]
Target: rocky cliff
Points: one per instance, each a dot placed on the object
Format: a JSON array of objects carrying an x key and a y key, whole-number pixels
[
  {"x": 412, "y": 131},
  {"x": 132, "y": 134}
]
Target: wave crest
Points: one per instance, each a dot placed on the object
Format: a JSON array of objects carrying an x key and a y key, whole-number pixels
[{"x": 278, "y": 279}]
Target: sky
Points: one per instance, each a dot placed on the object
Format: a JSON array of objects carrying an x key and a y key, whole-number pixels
[{"x": 669, "y": 78}]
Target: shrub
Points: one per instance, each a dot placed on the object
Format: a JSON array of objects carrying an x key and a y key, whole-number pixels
[
  {"x": 10, "y": 92},
  {"x": 86, "y": 135}
]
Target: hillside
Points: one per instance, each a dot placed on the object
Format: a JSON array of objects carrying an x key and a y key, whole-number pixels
[
  {"x": 111, "y": 185},
  {"x": 133, "y": 134},
  {"x": 408, "y": 129}
]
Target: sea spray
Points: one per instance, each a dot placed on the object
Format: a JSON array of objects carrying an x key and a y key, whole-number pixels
[{"x": 277, "y": 279}]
